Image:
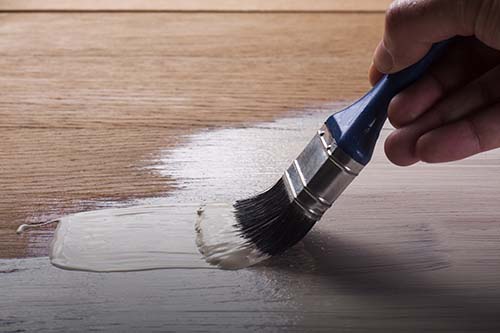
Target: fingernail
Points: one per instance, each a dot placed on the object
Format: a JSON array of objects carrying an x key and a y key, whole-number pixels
[{"x": 383, "y": 59}]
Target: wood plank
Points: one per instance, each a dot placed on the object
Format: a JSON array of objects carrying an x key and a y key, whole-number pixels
[
  {"x": 89, "y": 100},
  {"x": 194, "y": 5}
]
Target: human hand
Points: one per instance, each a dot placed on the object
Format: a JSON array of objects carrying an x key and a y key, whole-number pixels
[{"x": 453, "y": 111}]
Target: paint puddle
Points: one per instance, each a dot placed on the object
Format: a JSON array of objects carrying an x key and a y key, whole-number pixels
[
  {"x": 127, "y": 239},
  {"x": 214, "y": 166}
]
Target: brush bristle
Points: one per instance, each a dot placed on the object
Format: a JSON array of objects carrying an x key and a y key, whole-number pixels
[{"x": 271, "y": 221}]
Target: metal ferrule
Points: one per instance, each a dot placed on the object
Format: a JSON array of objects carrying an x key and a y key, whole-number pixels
[{"x": 320, "y": 174}]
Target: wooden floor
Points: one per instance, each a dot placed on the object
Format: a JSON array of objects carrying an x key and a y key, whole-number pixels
[
  {"x": 89, "y": 98},
  {"x": 94, "y": 93}
]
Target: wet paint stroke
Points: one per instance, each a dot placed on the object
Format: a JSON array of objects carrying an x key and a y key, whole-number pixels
[{"x": 127, "y": 239}]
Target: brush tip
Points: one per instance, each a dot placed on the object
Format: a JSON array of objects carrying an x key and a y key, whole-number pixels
[
  {"x": 251, "y": 230},
  {"x": 272, "y": 220},
  {"x": 219, "y": 240}
]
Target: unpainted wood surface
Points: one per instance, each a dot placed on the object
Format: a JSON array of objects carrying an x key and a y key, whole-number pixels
[
  {"x": 89, "y": 99},
  {"x": 196, "y": 5}
]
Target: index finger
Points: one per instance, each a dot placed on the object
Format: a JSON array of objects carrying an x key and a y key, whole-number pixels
[{"x": 413, "y": 26}]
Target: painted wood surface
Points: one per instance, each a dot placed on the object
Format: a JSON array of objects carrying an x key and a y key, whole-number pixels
[{"x": 196, "y": 5}]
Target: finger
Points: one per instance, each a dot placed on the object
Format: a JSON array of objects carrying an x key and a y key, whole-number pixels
[
  {"x": 374, "y": 75},
  {"x": 411, "y": 27},
  {"x": 463, "y": 63},
  {"x": 472, "y": 135},
  {"x": 476, "y": 95},
  {"x": 400, "y": 146}
]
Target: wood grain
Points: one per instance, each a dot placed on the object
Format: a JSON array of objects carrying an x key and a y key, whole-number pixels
[
  {"x": 194, "y": 5},
  {"x": 89, "y": 99}
]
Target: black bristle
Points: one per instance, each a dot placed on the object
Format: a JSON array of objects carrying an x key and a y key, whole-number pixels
[{"x": 271, "y": 221}]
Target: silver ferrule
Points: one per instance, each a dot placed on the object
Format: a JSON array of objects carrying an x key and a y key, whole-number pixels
[{"x": 320, "y": 174}]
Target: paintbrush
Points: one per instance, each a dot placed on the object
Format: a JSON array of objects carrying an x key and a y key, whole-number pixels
[
  {"x": 273, "y": 221},
  {"x": 276, "y": 219}
]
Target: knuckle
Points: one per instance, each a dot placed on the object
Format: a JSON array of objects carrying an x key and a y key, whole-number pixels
[
  {"x": 475, "y": 135},
  {"x": 404, "y": 14},
  {"x": 395, "y": 15}
]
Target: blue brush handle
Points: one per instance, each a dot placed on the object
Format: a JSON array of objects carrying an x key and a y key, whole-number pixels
[{"x": 357, "y": 127}]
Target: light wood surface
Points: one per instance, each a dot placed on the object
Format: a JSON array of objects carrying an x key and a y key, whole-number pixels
[{"x": 194, "y": 5}]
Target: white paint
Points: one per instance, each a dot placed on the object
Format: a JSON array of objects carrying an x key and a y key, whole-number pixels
[
  {"x": 219, "y": 241},
  {"x": 229, "y": 164},
  {"x": 23, "y": 227},
  {"x": 214, "y": 166},
  {"x": 128, "y": 239}
]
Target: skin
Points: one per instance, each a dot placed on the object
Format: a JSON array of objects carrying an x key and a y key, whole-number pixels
[{"x": 453, "y": 111}]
